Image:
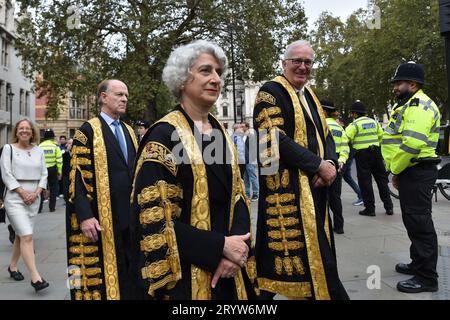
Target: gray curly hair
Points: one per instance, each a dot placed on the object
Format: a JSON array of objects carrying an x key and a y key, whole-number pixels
[{"x": 180, "y": 61}]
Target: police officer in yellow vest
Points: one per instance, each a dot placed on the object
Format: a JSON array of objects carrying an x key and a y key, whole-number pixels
[
  {"x": 342, "y": 152},
  {"x": 53, "y": 160},
  {"x": 364, "y": 134},
  {"x": 408, "y": 146}
]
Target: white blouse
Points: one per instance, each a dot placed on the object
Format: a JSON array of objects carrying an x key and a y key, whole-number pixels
[{"x": 25, "y": 165}]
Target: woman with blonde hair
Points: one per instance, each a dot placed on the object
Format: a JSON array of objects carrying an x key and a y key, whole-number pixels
[{"x": 25, "y": 176}]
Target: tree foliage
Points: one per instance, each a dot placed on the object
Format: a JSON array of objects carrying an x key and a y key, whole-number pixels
[
  {"x": 76, "y": 44},
  {"x": 357, "y": 62}
]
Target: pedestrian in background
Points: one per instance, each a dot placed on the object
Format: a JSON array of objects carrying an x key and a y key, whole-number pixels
[
  {"x": 251, "y": 163},
  {"x": 25, "y": 176},
  {"x": 342, "y": 152},
  {"x": 364, "y": 134},
  {"x": 53, "y": 160}
]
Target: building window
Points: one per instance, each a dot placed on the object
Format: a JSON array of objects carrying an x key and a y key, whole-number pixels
[
  {"x": 76, "y": 110},
  {"x": 7, "y": 97},
  {"x": 225, "y": 110},
  {"x": 2, "y": 95},
  {"x": 71, "y": 133},
  {"x": 27, "y": 104},
  {"x": 5, "y": 53},
  {"x": 22, "y": 102}
]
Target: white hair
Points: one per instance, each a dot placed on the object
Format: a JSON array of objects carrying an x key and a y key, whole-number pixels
[
  {"x": 180, "y": 61},
  {"x": 298, "y": 43}
]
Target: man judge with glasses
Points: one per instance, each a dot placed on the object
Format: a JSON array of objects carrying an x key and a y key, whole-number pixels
[{"x": 295, "y": 253}]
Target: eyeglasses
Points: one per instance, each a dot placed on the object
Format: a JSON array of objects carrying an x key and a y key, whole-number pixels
[{"x": 298, "y": 61}]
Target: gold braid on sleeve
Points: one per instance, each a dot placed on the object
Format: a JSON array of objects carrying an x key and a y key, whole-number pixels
[
  {"x": 269, "y": 122},
  {"x": 165, "y": 272}
]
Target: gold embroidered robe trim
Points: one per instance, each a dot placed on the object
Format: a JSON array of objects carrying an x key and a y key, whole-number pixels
[
  {"x": 153, "y": 242},
  {"x": 156, "y": 214},
  {"x": 306, "y": 201},
  {"x": 275, "y": 211},
  {"x": 283, "y": 222},
  {"x": 291, "y": 290},
  {"x": 86, "y": 282},
  {"x": 157, "y": 152},
  {"x": 95, "y": 295},
  {"x": 80, "y": 150},
  {"x": 132, "y": 135},
  {"x": 83, "y": 249},
  {"x": 88, "y": 261},
  {"x": 237, "y": 193},
  {"x": 290, "y": 233},
  {"x": 80, "y": 137},
  {"x": 105, "y": 212},
  {"x": 152, "y": 193},
  {"x": 86, "y": 271},
  {"x": 286, "y": 245},
  {"x": 280, "y": 198},
  {"x": 269, "y": 112},
  {"x": 265, "y": 97},
  {"x": 163, "y": 192},
  {"x": 200, "y": 215}
]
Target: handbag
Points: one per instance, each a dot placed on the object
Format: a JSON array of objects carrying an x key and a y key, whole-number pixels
[{"x": 2, "y": 212}]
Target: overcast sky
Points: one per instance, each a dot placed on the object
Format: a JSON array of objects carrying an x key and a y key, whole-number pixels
[{"x": 341, "y": 8}]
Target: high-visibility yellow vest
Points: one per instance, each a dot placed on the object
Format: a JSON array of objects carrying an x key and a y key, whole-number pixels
[
  {"x": 363, "y": 133},
  {"x": 412, "y": 133},
  {"x": 52, "y": 154},
  {"x": 340, "y": 139}
]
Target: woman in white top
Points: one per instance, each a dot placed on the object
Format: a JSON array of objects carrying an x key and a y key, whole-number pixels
[{"x": 25, "y": 176}]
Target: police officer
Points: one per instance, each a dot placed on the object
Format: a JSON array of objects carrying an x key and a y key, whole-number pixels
[
  {"x": 141, "y": 128},
  {"x": 53, "y": 160},
  {"x": 342, "y": 152},
  {"x": 364, "y": 134},
  {"x": 408, "y": 147}
]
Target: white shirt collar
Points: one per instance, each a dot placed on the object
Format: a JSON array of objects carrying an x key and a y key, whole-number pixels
[{"x": 107, "y": 118}]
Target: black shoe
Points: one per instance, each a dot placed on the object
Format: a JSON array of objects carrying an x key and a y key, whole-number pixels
[
  {"x": 12, "y": 234},
  {"x": 404, "y": 268},
  {"x": 368, "y": 213},
  {"x": 390, "y": 212},
  {"x": 414, "y": 285},
  {"x": 339, "y": 231},
  {"x": 52, "y": 210},
  {"x": 16, "y": 275},
  {"x": 39, "y": 285}
]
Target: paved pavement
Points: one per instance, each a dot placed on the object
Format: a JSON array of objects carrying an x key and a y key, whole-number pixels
[{"x": 368, "y": 241}]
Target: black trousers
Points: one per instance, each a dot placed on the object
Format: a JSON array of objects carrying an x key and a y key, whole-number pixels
[
  {"x": 53, "y": 186},
  {"x": 334, "y": 198},
  {"x": 415, "y": 186},
  {"x": 369, "y": 162}
]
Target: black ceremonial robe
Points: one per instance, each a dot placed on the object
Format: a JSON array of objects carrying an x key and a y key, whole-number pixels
[
  {"x": 185, "y": 201},
  {"x": 100, "y": 186},
  {"x": 295, "y": 253}
]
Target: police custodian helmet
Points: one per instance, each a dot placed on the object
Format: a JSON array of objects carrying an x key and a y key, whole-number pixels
[
  {"x": 49, "y": 134},
  {"x": 328, "y": 105},
  {"x": 358, "y": 107},
  {"x": 142, "y": 123},
  {"x": 409, "y": 71}
]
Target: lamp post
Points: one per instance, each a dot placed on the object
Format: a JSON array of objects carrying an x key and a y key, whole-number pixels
[{"x": 10, "y": 97}]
